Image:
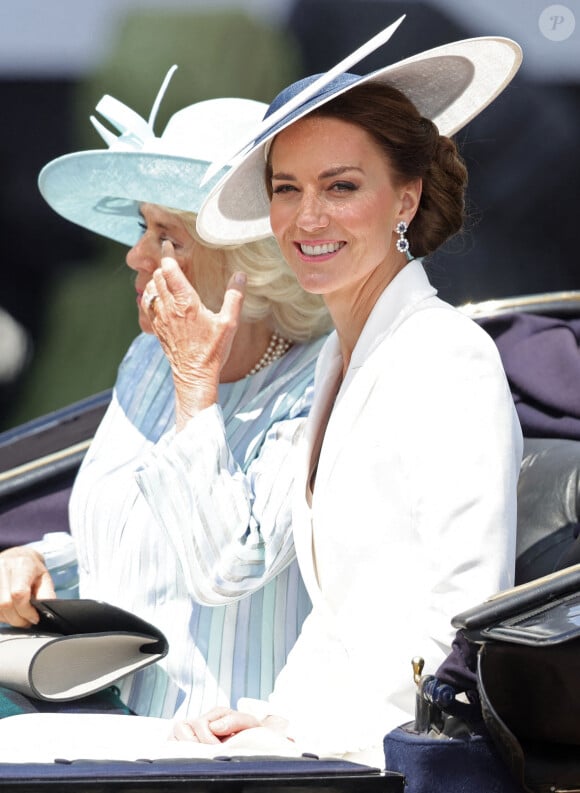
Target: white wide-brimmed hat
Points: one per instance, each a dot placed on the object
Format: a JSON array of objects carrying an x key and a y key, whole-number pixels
[
  {"x": 449, "y": 85},
  {"x": 101, "y": 189}
]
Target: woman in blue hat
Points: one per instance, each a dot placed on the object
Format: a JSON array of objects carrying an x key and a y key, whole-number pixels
[{"x": 405, "y": 495}]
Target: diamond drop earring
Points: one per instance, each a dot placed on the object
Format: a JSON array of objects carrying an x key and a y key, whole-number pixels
[{"x": 402, "y": 243}]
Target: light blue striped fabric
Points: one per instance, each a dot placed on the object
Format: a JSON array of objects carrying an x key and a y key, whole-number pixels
[{"x": 143, "y": 491}]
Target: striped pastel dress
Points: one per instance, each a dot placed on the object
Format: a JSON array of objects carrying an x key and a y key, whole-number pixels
[{"x": 148, "y": 502}]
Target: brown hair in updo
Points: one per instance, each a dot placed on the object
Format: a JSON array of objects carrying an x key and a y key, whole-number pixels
[{"x": 414, "y": 149}]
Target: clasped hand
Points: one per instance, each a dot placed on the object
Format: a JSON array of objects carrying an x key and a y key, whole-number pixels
[
  {"x": 215, "y": 726},
  {"x": 219, "y": 724}
]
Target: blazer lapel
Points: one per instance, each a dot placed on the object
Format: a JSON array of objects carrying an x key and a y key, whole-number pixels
[
  {"x": 327, "y": 376},
  {"x": 404, "y": 295}
]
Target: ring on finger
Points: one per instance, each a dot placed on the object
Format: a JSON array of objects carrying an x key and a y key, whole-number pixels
[{"x": 150, "y": 299}]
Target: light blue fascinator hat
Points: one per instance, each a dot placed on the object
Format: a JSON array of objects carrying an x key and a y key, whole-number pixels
[
  {"x": 450, "y": 85},
  {"x": 101, "y": 189}
]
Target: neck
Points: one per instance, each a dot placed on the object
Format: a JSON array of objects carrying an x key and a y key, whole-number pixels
[
  {"x": 255, "y": 347},
  {"x": 350, "y": 308},
  {"x": 250, "y": 342}
]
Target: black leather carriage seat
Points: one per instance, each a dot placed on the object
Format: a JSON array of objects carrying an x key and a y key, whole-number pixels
[
  {"x": 549, "y": 483},
  {"x": 548, "y": 507}
]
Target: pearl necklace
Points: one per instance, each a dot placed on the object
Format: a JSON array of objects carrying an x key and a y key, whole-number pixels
[{"x": 277, "y": 347}]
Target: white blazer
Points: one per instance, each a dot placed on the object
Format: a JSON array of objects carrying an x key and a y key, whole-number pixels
[{"x": 413, "y": 516}]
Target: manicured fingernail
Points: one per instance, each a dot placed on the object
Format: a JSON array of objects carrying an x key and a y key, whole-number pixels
[{"x": 240, "y": 279}]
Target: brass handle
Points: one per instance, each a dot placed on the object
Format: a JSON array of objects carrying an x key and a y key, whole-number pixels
[{"x": 418, "y": 663}]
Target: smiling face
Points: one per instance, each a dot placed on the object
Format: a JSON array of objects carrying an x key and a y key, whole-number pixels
[
  {"x": 199, "y": 263},
  {"x": 334, "y": 209}
]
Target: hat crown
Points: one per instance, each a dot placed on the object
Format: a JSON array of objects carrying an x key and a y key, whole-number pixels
[
  {"x": 335, "y": 86},
  {"x": 200, "y": 131},
  {"x": 342, "y": 80}
]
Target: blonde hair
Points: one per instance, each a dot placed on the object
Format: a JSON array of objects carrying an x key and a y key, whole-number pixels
[{"x": 272, "y": 291}]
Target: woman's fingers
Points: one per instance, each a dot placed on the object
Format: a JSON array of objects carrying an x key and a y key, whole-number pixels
[
  {"x": 234, "y": 299},
  {"x": 215, "y": 726},
  {"x": 184, "y": 731},
  {"x": 232, "y": 723},
  {"x": 190, "y": 332},
  {"x": 197, "y": 730},
  {"x": 45, "y": 589},
  {"x": 23, "y": 575},
  {"x": 170, "y": 279}
]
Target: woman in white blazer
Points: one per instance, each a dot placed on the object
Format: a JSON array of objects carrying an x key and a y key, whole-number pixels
[{"x": 405, "y": 503}]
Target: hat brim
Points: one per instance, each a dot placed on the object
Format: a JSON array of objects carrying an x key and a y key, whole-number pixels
[
  {"x": 450, "y": 85},
  {"x": 101, "y": 191}
]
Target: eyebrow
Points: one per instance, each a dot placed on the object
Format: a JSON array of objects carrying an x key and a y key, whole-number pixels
[{"x": 328, "y": 174}]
